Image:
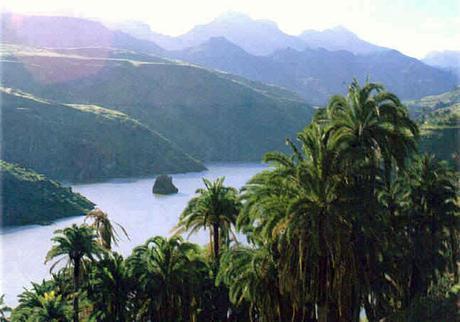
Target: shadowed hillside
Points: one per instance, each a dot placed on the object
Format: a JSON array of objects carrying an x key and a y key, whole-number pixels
[
  {"x": 210, "y": 115},
  {"x": 83, "y": 142},
  {"x": 31, "y": 198}
]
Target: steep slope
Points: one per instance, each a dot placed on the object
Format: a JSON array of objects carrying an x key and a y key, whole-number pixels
[
  {"x": 83, "y": 142},
  {"x": 338, "y": 38},
  {"x": 211, "y": 115},
  {"x": 68, "y": 32},
  {"x": 316, "y": 74},
  {"x": 30, "y": 198},
  {"x": 447, "y": 59}
]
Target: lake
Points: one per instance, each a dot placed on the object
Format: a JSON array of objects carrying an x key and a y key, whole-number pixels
[{"x": 129, "y": 202}]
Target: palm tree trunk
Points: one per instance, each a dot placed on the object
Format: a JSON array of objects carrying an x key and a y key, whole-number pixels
[
  {"x": 76, "y": 287},
  {"x": 453, "y": 248},
  {"x": 215, "y": 230}
]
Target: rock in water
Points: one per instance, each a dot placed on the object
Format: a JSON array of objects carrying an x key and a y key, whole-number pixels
[{"x": 164, "y": 185}]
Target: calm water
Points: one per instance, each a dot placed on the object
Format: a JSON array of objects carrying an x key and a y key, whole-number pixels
[{"x": 129, "y": 202}]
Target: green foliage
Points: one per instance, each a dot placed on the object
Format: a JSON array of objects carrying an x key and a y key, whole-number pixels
[
  {"x": 215, "y": 208},
  {"x": 440, "y": 128},
  {"x": 168, "y": 273},
  {"x": 31, "y": 198}
]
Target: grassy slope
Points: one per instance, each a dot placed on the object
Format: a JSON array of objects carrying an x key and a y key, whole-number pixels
[
  {"x": 439, "y": 116},
  {"x": 31, "y": 198},
  {"x": 83, "y": 142},
  {"x": 213, "y": 116}
]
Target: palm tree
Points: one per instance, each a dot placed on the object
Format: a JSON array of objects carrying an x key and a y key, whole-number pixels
[
  {"x": 109, "y": 288},
  {"x": 32, "y": 300},
  {"x": 164, "y": 270},
  {"x": 74, "y": 244},
  {"x": 52, "y": 308},
  {"x": 215, "y": 208},
  {"x": 106, "y": 232},
  {"x": 372, "y": 124},
  {"x": 251, "y": 276},
  {"x": 294, "y": 205},
  {"x": 4, "y": 309},
  {"x": 375, "y": 137},
  {"x": 432, "y": 223}
]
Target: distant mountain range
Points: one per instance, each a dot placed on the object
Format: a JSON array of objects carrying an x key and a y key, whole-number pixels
[
  {"x": 316, "y": 74},
  {"x": 257, "y": 37},
  {"x": 448, "y": 60},
  {"x": 315, "y": 65}
]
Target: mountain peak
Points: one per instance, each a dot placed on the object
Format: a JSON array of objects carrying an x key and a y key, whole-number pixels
[
  {"x": 338, "y": 38},
  {"x": 258, "y": 37},
  {"x": 233, "y": 16}
]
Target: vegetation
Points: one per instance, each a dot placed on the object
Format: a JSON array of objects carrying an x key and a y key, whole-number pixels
[
  {"x": 215, "y": 208},
  {"x": 351, "y": 218},
  {"x": 83, "y": 142},
  {"x": 175, "y": 99},
  {"x": 439, "y": 117},
  {"x": 31, "y": 198}
]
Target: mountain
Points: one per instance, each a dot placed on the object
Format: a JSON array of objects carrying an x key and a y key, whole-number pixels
[
  {"x": 68, "y": 32},
  {"x": 316, "y": 74},
  {"x": 448, "y": 60},
  {"x": 258, "y": 37},
  {"x": 83, "y": 142},
  {"x": 338, "y": 38},
  {"x": 233, "y": 43},
  {"x": 211, "y": 115},
  {"x": 30, "y": 198}
]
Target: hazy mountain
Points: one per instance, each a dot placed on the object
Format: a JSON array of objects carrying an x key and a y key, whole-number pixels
[
  {"x": 316, "y": 74},
  {"x": 211, "y": 115},
  {"x": 258, "y": 37},
  {"x": 338, "y": 38},
  {"x": 448, "y": 59},
  {"x": 31, "y": 198},
  {"x": 83, "y": 142},
  {"x": 68, "y": 32}
]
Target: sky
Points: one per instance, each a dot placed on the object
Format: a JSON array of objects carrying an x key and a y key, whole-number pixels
[{"x": 414, "y": 27}]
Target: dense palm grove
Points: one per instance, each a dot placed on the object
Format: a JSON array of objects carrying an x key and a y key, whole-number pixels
[{"x": 352, "y": 221}]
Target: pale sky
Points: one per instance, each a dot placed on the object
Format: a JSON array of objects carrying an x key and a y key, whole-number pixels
[{"x": 414, "y": 27}]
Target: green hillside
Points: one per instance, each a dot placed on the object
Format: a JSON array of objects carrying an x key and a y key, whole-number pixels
[
  {"x": 439, "y": 117},
  {"x": 31, "y": 198},
  {"x": 428, "y": 104},
  {"x": 83, "y": 142},
  {"x": 212, "y": 116}
]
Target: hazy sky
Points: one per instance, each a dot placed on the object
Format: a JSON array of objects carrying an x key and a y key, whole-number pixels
[{"x": 414, "y": 27}]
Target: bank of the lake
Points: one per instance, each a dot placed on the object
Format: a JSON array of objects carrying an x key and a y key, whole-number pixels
[{"x": 129, "y": 202}]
